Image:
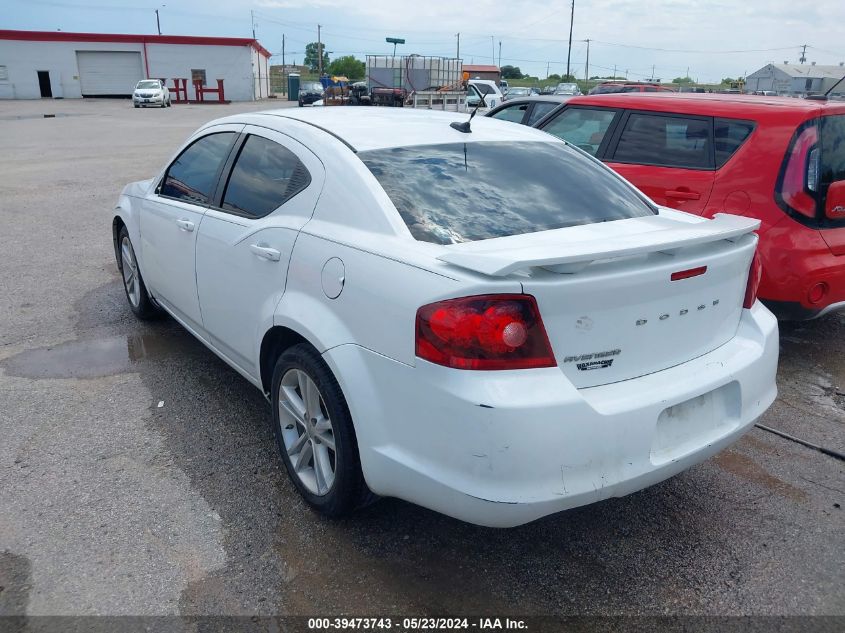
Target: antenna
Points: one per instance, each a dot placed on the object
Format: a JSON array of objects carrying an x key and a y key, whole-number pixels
[
  {"x": 834, "y": 86},
  {"x": 464, "y": 127}
]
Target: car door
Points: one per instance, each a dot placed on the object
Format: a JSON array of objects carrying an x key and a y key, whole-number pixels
[
  {"x": 669, "y": 157},
  {"x": 588, "y": 128},
  {"x": 171, "y": 215},
  {"x": 268, "y": 192}
]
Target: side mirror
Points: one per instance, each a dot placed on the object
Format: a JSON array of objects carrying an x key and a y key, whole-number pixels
[{"x": 834, "y": 207}]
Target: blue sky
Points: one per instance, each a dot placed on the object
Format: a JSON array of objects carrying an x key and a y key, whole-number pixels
[{"x": 712, "y": 39}]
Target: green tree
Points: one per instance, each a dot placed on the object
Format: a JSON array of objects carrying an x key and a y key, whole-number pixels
[
  {"x": 682, "y": 80},
  {"x": 348, "y": 66},
  {"x": 568, "y": 78},
  {"x": 312, "y": 57},
  {"x": 729, "y": 80},
  {"x": 554, "y": 77},
  {"x": 511, "y": 72}
]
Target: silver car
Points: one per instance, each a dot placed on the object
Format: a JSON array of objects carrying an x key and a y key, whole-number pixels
[{"x": 151, "y": 92}]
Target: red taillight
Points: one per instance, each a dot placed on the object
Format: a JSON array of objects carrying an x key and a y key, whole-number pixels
[
  {"x": 484, "y": 332},
  {"x": 755, "y": 273},
  {"x": 799, "y": 181}
]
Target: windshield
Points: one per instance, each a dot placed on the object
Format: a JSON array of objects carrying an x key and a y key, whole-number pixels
[
  {"x": 484, "y": 89},
  {"x": 462, "y": 192},
  {"x": 149, "y": 85},
  {"x": 316, "y": 87},
  {"x": 567, "y": 87}
]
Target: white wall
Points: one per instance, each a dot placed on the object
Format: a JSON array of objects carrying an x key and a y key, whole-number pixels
[{"x": 234, "y": 64}]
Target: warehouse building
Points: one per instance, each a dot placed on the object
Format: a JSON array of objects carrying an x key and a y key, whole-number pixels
[
  {"x": 796, "y": 79},
  {"x": 39, "y": 64}
]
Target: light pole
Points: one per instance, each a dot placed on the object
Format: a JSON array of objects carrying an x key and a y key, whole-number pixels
[
  {"x": 569, "y": 51},
  {"x": 158, "y": 22}
]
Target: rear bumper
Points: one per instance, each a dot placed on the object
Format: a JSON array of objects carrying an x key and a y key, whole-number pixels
[{"x": 505, "y": 448}]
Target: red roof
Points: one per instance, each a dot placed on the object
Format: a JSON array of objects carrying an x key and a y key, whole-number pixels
[
  {"x": 471, "y": 68},
  {"x": 62, "y": 36}
]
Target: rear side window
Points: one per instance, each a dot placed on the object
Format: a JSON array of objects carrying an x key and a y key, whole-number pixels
[
  {"x": 265, "y": 176},
  {"x": 461, "y": 192},
  {"x": 583, "y": 127},
  {"x": 512, "y": 113},
  {"x": 193, "y": 175},
  {"x": 540, "y": 110},
  {"x": 668, "y": 141},
  {"x": 728, "y": 136}
]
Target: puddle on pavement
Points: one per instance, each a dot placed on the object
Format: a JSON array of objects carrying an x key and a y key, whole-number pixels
[{"x": 92, "y": 358}]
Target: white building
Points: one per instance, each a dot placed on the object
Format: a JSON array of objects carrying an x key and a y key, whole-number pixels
[
  {"x": 796, "y": 79},
  {"x": 38, "y": 64}
]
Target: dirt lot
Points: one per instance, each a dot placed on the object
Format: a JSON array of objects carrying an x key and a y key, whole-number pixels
[{"x": 138, "y": 473}]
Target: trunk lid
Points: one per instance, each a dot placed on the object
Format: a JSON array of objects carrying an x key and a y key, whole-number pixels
[{"x": 606, "y": 295}]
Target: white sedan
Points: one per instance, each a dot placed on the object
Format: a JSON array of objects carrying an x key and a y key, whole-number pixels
[
  {"x": 490, "y": 324},
  {"x": 151, "y": 92}
]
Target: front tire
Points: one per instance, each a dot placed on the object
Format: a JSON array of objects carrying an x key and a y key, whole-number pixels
[
  {"x": 133, "y": 284},
  {"x": 314, "y": 433}
]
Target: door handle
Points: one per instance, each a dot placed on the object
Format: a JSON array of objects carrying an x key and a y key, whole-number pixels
[
  {"x": 680, "y": 194},
  {"x": 185, "y": 225},
  {"x": 265, "y": 252}
]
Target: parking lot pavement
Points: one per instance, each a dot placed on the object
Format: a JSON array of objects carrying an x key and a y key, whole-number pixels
[{"x": 138, "y": 473}]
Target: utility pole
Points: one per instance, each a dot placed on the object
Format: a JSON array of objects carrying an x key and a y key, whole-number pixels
[
  {"x": 500, "y": 55},
  {"x": 158, "y": 24},
  {"x": 252, "y": 17},
  {"x": 571, "y": 22},
  {"x": 283, "y": 50},
  {"x": 319, "y": 53},
  {"x": 587, "y": 67},
  {"x": 614, "y": 71},
  {"x": 493, "y": 45},
  {"x": 458, "y": 54},
  {"x": 547, "y": 69},
  {"x": 803, "y": 57}
]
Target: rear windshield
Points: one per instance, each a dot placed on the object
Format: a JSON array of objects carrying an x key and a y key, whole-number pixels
[{"x": 462, "y": 192}]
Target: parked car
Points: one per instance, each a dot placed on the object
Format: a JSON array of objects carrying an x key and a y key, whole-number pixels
[
  {"x": 527, "y": 110},
  {"x": 517, "y": 91},
  {"x": 151, "y": 92},
  {"x": 309, "y": 92},
  {"x": 567, "y": 89},
  {"x": 548, "y": 90},
  {"x": 612, "y": 87},
  {"x": 779, "y": 160},
  {"x": 489, "y": 324}
]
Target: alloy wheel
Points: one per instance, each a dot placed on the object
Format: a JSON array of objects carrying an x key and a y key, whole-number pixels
[
  {"x": 130, "y": 272},
  {"x": 307, "y": 432}
]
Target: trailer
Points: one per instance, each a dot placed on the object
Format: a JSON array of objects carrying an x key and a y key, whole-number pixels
[{"x": 437, "y": 82}]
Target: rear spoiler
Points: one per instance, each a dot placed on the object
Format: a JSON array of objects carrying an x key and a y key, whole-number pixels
[{"x": 501, "y": 256}]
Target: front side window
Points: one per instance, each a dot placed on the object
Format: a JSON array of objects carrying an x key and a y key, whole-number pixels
[
  {"x": 667, "y": 141},
  {"x": 265, "y": 176},
  {"x": 461, "y": 192},
  {"x": 583, "y": 127},
  {"x": 193, "y": 175},
  {"x": 512, "y": 113}
]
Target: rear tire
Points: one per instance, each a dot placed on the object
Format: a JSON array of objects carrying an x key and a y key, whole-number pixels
[
  {"x": 137, "y": 296},
  {"x": 314, "y": 433}
]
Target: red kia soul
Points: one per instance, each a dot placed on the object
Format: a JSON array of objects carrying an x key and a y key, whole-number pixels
[{"x": 778, "y": 159}]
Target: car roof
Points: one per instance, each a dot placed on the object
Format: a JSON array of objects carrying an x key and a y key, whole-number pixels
[
  {"x": 543, "y": 98},
  {"x": 369, "y": 128},
  {"x": 730, "y": 105}
]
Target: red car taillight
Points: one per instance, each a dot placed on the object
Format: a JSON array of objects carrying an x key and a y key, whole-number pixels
[
  {"x": 484, "y": 332},
  {"x": 755, "y": 273}
]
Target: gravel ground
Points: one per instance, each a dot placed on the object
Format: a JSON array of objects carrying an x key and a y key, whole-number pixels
[{"x": 138, "y": 473}]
